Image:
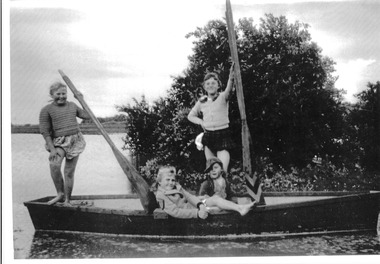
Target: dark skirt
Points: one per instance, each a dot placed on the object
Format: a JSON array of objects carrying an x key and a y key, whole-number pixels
[{"x": 218, "y": 140}]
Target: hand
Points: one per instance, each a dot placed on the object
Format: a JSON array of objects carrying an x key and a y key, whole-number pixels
[
  {"x": 203, "y": 207},
  {"x": 202, "y": 213},
  {"x": 232, "y": 74},
  {"x": 178, "y": 186},
  {"x": 202, "y": 125},
  {"x": 54, "y": 155},
  {"x": 78, "y": 94}
]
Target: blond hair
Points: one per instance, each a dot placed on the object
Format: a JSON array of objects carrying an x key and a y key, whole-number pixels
[
  {"x": 55, "y": 86},
  {"x": 164, "y": 170}
]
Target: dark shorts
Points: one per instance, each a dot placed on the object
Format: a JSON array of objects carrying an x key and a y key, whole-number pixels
[{"x": 218, "y": 140}]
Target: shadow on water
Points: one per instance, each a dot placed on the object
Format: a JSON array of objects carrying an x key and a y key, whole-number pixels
[{"x": 76, "y": 245}]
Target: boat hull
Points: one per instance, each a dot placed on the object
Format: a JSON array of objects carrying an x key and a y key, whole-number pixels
[{"x": 347, "y": 212}]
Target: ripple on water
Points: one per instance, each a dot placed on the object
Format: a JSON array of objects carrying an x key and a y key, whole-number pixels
[{"x": 66, "y": 245}]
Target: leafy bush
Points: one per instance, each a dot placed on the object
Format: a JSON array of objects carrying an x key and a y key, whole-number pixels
[
  {"x": 149, "y": 171},
  {"x": 293, "y": 111},
  {"x": 318, "y": 177},
  {"x": 314, "y": 177}
]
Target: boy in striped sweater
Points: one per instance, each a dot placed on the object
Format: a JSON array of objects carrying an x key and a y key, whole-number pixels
[{"x": 60, "y": 129}]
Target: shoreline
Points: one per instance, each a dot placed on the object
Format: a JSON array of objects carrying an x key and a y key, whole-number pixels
[{"x": 86, "y": 129}]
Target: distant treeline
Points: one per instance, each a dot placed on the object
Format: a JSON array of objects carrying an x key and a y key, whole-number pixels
[
  {"x": 111, "y": 119},
  {"x": 111, "y": 124}
]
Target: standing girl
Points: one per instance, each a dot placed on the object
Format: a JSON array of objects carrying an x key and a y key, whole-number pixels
[
  {"x": 60, "y": 129},
  {"x": 215, "y": 123}
]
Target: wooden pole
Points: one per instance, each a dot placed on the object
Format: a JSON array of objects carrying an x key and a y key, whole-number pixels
[
  {"x": 253, "y": 185},
  {"x": 378, "y": 126},
  {"x": 147, "y": 198}
]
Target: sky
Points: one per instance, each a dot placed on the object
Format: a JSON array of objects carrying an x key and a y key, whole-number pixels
[{"x": 114, "y": 51}]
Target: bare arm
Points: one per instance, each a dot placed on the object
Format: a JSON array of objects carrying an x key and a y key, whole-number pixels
[
  {"x": 81, "y": 113},
  {"x": 193, "y": 116},
  {"x": 230, "y": 81},
  {"x": 53, "y": 152},
  {"x": 45, "y": 130}
]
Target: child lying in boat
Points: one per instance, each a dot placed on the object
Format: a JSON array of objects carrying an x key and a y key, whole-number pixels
[{"x": 179, "y": 203}]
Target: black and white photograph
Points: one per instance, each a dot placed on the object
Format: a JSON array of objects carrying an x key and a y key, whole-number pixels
[{"x": 216, "y": 131}]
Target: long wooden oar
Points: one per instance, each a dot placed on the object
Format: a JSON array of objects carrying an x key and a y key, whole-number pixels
[
  {"x": 252, "y": 182},
  {"x": 147, "y": 198}
]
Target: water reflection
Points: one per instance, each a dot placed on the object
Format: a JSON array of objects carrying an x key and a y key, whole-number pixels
[{"x": 76, "y": 245}]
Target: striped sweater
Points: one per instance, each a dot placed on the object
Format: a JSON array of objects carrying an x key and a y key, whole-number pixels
[{"x": 60, "y": 120}]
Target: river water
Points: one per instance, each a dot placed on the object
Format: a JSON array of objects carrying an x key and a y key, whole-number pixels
[{"x": 99, "y": 173}]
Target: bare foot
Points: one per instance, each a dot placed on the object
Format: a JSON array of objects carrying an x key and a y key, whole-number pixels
[
  {"x": 244, "y": 209},
  {"x": 67, "y": 204},
  {"x": 57, "y": 199}
]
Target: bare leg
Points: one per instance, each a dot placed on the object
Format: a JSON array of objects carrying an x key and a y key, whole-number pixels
[
  {"x": 243, "y": 209},
  {"x": 56, "y": 175},
  {"x": 224, "y": 156},
  {"x": 208, "y": 153},
  {"x": 69, "y": 171}
]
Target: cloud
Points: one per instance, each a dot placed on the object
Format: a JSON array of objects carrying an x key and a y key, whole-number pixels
[
  {"x": 117, "y": 50},
  {"x": 331, "y": 44},
  {"x": 352, "y": 76}
]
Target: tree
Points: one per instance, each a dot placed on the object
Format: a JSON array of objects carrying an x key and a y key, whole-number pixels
[
  {"x": 293, "y": 109},
  {"x": 364, "y": 121},
  {"x": 116, "y": 118},
  {"x": 142, "y": 121}
]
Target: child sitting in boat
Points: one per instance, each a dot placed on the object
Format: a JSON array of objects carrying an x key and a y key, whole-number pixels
[
  {"x": 216, "y": 183},
  {"x": 174, "y": 200},
  {"x": 179, "y": 203}
]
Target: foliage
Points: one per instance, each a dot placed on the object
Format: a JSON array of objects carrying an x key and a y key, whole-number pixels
[
  {"x": 149, "y": 171},
  {"x": 364, "y": 123},
  {"x": 314, "y": 177},
  {"x": 160, "y": 131},
  {"x": 142, "y": 120},
  {"x": 293, "y": 111},
  {"x": 317, "y": 177}
]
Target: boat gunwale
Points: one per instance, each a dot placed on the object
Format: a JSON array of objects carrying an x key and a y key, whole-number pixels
[
  {"x": 264, "y": 235},
  {"x": 266, "y": 194},
  {"x": 260, "y": 208}
]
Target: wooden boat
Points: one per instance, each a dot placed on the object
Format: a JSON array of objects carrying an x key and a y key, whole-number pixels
[
  {"x": 315, "y": 212},
  {"x": 285, "y": 213}
]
